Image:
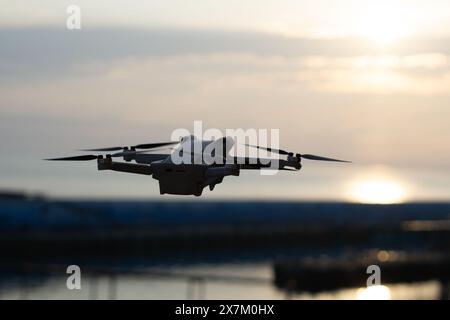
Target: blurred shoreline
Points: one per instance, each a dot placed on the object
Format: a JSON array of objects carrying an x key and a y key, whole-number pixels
[
  {"x": 152, "y": 240},
  {"x": 43, "y": 226}
]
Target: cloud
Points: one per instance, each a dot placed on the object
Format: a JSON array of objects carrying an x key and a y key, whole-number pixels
[
  {"x": 339, "y": 109},
  {"x": 325, "y": 96},
  {"x": 43, "y": 51},
  {"x": 61, "y": 91}
]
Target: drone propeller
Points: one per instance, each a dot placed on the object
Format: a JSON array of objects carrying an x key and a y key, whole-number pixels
[
  {"x": 139, "y": 146},
  {"x": 320, "y": 158},
  {"x": 88, "y": 157},
  {"x": 278, "y": 151},
  {"x": 298, "y": 155}
]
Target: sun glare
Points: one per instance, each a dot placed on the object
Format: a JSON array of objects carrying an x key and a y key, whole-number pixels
[
  {"x": 383, "y": 24},
  {"x": 380, "y": 191},
  {"x": 374, "y": 293},
  {"x": 377, "y": 185}
]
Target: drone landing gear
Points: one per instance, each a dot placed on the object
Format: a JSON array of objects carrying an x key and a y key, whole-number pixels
[{"x": 199, "y": 190}]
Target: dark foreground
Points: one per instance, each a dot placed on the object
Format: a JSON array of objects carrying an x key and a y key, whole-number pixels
[{"x": 310, "y": 247}]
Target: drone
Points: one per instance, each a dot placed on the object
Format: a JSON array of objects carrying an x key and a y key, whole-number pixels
[{"x": 191, "y": 175}]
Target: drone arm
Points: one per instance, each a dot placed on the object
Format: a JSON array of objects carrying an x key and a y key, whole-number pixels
[
  {"x": 108, "y": 164},
  {"x": 149, "y": 157},
  {"x": 258, "y": 163},
  {"x": 259, "y": 167},
  {"x": 255, "y": 166}
]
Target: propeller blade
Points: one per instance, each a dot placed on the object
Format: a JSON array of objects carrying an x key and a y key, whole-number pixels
[
  {"x": 139, "y": 146},
  {"x": 279, "y": 151},
  {"x": 104, "y": 149},
  {"x": 75, "y": 158},
  {"x": 304, "y": 156},
  {"x": 129, "y": 153},
  {"x": 320, "y": 158},
  {"x": 88, "y": 157},
  {"x": 155, "y": 145}
]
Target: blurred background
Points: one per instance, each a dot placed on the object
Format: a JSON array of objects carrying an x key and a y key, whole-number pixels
[{"x": 360, "y": 80}]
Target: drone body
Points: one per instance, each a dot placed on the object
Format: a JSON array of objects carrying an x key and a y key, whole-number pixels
[{"x": 192, "y": 165}]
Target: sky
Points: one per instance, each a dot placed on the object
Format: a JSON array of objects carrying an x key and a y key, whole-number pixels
[{"x": 361, "y": 80}]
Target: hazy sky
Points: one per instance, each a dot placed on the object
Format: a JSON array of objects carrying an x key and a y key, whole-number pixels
[
  {"x": 293, "y": 17},
  {"x": 363, "y": 80}
]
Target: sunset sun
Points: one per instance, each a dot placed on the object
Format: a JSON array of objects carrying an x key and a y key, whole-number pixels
[
  {"x": 377, "y": 186},
  {"x": 383, "y": 24},
  {"x": 378, "y": 191}
]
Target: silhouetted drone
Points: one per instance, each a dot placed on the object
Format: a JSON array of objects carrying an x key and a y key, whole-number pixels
[{"x": 193, "y": 173}]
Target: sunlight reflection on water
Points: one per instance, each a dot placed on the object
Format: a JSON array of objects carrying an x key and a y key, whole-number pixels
[{"x": 138, "y": 287}]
